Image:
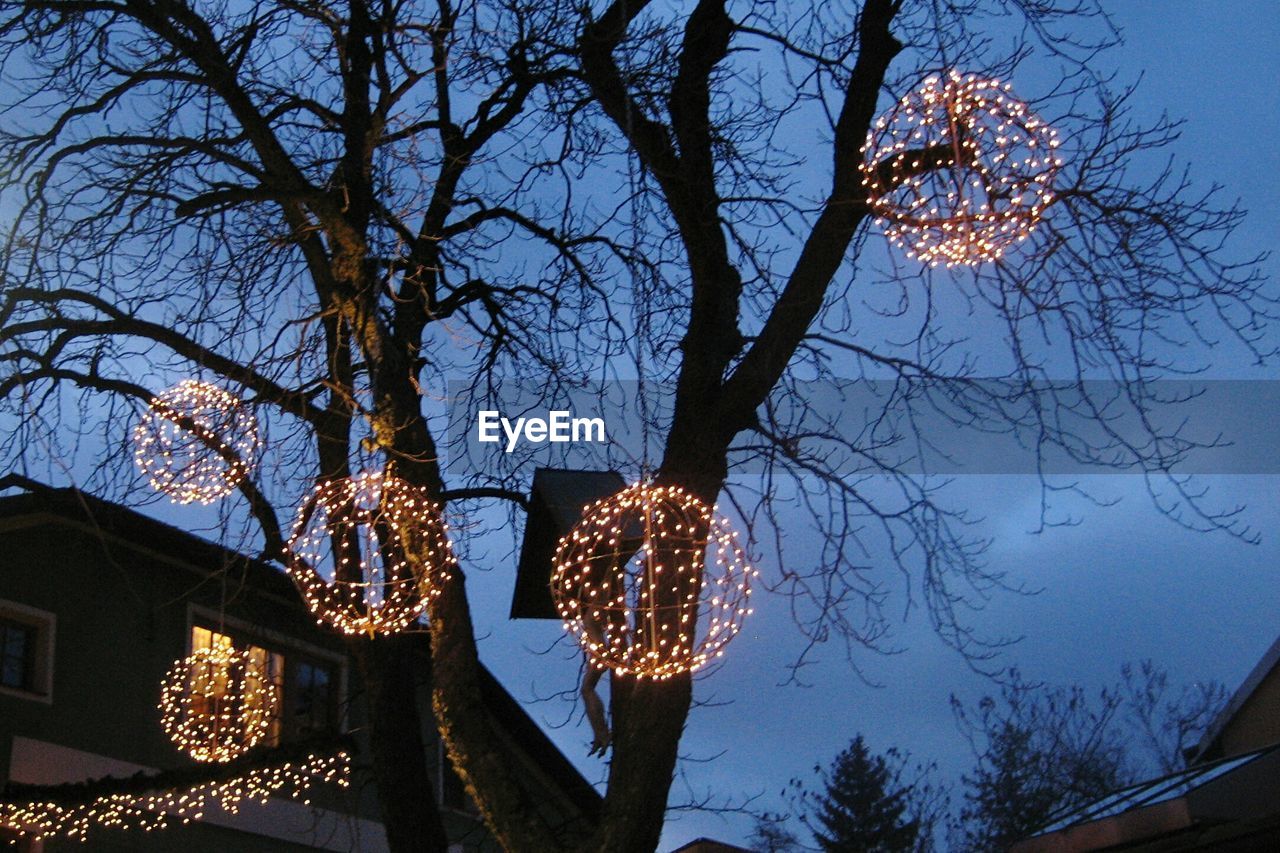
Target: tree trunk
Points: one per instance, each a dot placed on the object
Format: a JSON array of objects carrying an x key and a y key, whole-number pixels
[
  {"x": 409, "y": 811},
  {"x": 648, "y": 719},
  {"x": 469, "y": 731},
  {"x": 648, "y": 716}
]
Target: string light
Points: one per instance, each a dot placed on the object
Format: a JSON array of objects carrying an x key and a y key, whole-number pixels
[
  {"x": 193, "y": 442},
  {"x": 43, "y": 819},
  {"x": 217, "y": 703},
  {"x": 349, "y": 553},
  {"x": 959, "y": 170},
  {"x": 652, "y": 582}
]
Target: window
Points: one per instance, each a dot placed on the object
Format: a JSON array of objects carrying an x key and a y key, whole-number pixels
[
  {"x": 312, "y": 701},
  {"x": 306, "y": 687},
  {"x": 17, "y": 654},
  {"x": 26, "y": 652},
  {"x": 271, "y": 663}
]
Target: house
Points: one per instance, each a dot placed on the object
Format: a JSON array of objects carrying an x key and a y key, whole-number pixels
[
  {"x": 96, "y": 603},
  {"x": 1227, "y": 798},
  {"x": 709, "y": 845}
]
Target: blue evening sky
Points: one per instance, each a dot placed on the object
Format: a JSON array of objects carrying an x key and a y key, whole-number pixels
[{"x": 1126, "y": 584}]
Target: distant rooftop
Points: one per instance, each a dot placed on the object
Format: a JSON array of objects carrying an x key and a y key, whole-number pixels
[
  {"x": 709, "y": 845},
  {"x": 1229, "y": 804}
]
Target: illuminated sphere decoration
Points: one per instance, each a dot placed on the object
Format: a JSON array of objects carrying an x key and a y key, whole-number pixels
[
  {"x": 652, "y": 582},
  {"x": 348, "y": 557},
  {"x": 195, "y": 441},
  {"x": 959, "y": 170},
  {"x": 217, "y": 704}
]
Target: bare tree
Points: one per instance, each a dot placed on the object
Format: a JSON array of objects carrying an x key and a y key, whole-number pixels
[
  {"x": 1038, "y": 751},
  {"x": 1170, "y": 724},
  {"x": 1041, "y": 751},
  {"x": 322, "y": 203}
]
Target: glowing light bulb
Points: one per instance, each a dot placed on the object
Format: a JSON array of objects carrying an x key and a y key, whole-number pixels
[
  {"x": 368, "y": 553},
  {"x": 217, "y": 703},
  {"x": 195, "y": 442},
  {"x": 39, "y": 820},
  {"x": 976, "y": 171},
  {"x": 636, "y": 580}
]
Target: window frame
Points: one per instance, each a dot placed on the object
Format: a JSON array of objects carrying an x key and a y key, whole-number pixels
[
  {"x": 30, "y": 635},
  {"x": 45, "y": 629},
  {"x": 293, "y": 651},
  {"x": 332, "y": 699}
]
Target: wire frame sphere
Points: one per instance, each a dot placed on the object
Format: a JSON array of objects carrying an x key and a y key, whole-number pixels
[
  {"x": 959, "y": 170},
  {"x": 349, "y": 552},
  {"x": 217, "y": 703},
  {"x": 194, "y": 442},
  {"x": 652, "y": 582}
]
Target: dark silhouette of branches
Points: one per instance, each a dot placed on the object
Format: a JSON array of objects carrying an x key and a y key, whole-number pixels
[
  {"x": 334, "y": 208},
  {"x": 1042, "y": 750}
]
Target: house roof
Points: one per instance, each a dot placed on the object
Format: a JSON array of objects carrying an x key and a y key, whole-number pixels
[
  {"x": 709, "y": 845},
  {"x": 73, "y": 506},
  {"x": 1216, "y": 802},
  {"x": 1241, "y": 790},
  {"x": 1256, "y": 676},
  {"x": 138, "y": 531}
]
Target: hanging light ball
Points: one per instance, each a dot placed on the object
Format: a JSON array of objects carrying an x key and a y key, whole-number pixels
[
  {"x": 652, "y": 582},
  {"x": 349, "y": 551},
  {"x": 194, "y": 442},
  {"x": 217, "y": 703},
  {"x": 959, "y": 170}
]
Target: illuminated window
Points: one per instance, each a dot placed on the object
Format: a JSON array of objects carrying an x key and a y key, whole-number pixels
[
  {"x": 271, "y": 663},
  {"x": 268, "y": 662},
  {"x": 306, "y": 689}
]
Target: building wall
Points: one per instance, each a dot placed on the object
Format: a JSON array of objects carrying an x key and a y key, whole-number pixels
[
  {"x": 1257, "y": 723},
  {"x": 119, "y": 627},
  {"x": 122, "y": 617},
  {"x": 123, "y": 610}
]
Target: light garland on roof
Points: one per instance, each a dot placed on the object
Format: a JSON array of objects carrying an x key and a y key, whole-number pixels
[
  {"x": 652, "y": 582},
  {"x": 195, "y": 441},
  {"x": 959, "y": 170},
  {"x": 349, "y": 551},
  {"x": 43, "y": 819},
  {"x": 217, "y": 703}
]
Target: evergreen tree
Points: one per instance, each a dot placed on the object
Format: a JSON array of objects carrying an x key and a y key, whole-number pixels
[{"x": 865, "y": 806}]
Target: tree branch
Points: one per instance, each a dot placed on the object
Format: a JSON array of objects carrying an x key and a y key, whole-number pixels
[{"x": 824, "y": 250}]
